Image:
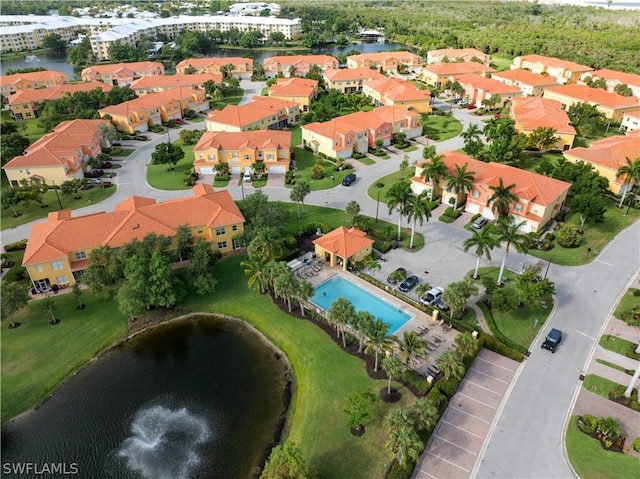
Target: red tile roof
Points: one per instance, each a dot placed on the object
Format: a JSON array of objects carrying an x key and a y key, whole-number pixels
[
  {"x": 461, "y": 68},
  {"x": 526, "y": 77},
  {"x": 398, "y": 90},
  {"x": 293, "y": 87},
  {"x": 57, "y": 237},
  {"x": 556, "y": 62},
  {"x": 344, "y": 242},
  {"x": 53, "y": 93},
  {"x": 401, "y": 56},
  {"x": 535, "y": 112},
  {"x": 116, "y": 67},
  {"x": 610, "y": 152},
  {"x": 253, "y": 140},
  {"x": 531, "y": 187},
  {"x": 457, "y": 52},
  {"x": 629, "y": 79},
  {"x": 585, "y": 94},
  {"x": 179, "y": 79},
  {"x": 202, "y": 63},
  {"x": 43, "y": 76},
  {"x": 261, "y": 107},
  {"x": 61, "y": 146},
  {"x": 352, "y": 74},
  {"x": 487, "y": 85},
  {"x": 296, "y": 59}
]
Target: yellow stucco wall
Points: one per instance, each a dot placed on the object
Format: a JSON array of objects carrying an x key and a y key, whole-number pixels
[{"x": 51, "y": 174}]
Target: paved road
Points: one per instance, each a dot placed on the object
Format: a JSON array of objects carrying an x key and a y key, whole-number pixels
[{"x": 527, "y": 441}]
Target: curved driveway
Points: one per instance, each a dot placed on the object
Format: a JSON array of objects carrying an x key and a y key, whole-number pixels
[{"x": 527, "y": 439}]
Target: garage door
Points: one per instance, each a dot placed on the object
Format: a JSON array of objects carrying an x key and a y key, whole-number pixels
[
  {"x": 473, "y": 208},
  {"x": 206, "y": 170},
  {"x": 277, "y": 169}
]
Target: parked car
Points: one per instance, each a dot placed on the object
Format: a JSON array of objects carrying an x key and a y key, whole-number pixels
[
  {"x": 553, "y": 339},
  {"x": 471, "y": 107},
  {"x": 432, "y": 297},
  {"x": 409, "y": 283},
  {"x": 350, "y": 178},
  {"x": 247, "y": 177},
  {"x": 442, "y": 306},
  {"x": 391, "y": 279},
  {"x": 95, "y": 181},
  {"x": 178, "y": 121},
  {"x": 479, "y": 222}
]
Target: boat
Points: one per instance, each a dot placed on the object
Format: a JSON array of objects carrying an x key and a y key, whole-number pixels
[{"x": 32, "y": 59}]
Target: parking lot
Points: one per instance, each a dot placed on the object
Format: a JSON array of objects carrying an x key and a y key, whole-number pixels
[{"x": 458, "y": 438}]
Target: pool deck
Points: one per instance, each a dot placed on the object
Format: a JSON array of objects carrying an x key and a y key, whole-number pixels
[{"x": 439, "y": 336}]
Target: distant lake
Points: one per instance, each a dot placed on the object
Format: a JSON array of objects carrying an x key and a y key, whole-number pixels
[{"x": 60, "y": 62}]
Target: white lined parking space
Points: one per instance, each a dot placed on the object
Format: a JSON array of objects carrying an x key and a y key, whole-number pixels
[{"x": 452, "y": 450}]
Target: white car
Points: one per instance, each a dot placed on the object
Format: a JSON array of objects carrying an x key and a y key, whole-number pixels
[
  {"x": 247, "y": 177},
  {"x": 432, "y": 297}
]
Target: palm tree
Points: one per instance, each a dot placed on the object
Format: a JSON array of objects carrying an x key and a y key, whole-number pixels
[
  {"x": 379, "y": 339},
  {"x": 502, "y": 198},
  {"x": 461, "y": 182},
  {"x": 272, "y": 270},
  {"x": 451, "y": 365},
  {"x": 434, "y": 171},
  {"x": 341, "y": 313},
  {"x": 255, "y": 269},
  {"x": 509, "y": 234},
  {"x": 424, "y": 414},
  {"x": 472, "y": 132},
  {"x": 411, "y": 345},
  {"x": 396, "y": 418},
  {"x": 631, "y": 171},
  {"x": 404, "y": 443},
  {"x": 303, "y": 291},
  {"x": 361, "y": 323},
  {"x": 422, "y": 288},
  {"x": 397, "y": 198},
  {"x": 466, "y": 345},
  {"x": 259, "y": 167},
  {"x": 393, "y": 367},
  {"x": 483, "y": 241},
  {"x": 266, "y": 242},
  {"x": 286, "y": 286},
  {"x": 417, "y": 210}
]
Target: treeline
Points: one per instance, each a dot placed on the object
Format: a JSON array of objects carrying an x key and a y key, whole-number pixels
[{"x": 593, "y": 36}]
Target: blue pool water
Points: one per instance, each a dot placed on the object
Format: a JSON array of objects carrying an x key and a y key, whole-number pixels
[{"x": 338, "y": 287}]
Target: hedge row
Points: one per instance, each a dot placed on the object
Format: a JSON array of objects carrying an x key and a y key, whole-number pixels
[
  {"x": 498, "y": 334},
  {"x": 17, "y": 246}
]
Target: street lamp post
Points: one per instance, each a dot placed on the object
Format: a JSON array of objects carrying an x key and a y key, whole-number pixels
[
  {"x": 242, "y": 186},
  {"x": 333, "y": 180},
  {"x": 378, "y": 205},
  {"x": 56, "y": 191}
]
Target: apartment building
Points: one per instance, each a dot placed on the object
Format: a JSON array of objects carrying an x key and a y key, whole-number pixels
[
  {"x": 349, "y": 80},
  {"x": 397, "y": 92},
  {"x": 630, "y": 122},
  {"x": 242, "y": 67},
  {"x": 262, "y": 113},
  {"x": 387, "y": 62},
  {"x": 122, "y": 74},
  {"x": 535, "y": 112},
  {"x": 10, "y": 84},
  {"x": 302, "y": 64},
  {"x": 437, "y": 75},
  {"x": 297, "y": 90},
  {"x": 611, "y": 105},
  {"x": 195, "y": 81},
  {"x": 531, "y": 84},
  {"x": 447, "y": 55},
  {"x": 478, "y": 88},
  {"x": 563, "y": 71},
  {"x": 614, "y": 78}
]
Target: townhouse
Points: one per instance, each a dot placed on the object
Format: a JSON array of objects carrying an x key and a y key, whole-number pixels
[
  {"x": 531, "y": 84},
  {"x": 122, "y": 74},
  {"x": 297, "y": 90},
  {"x": 535, "y": 112},
  {"x": 563, "y": 71},
  {"x": 59, "y": 248},
  {"x": 387, "y": 62},
  {"x": 437, "y": 75},
  {"x": 478, "y": 88},
  {"x": 611, "y": 105},
  {"x": 397, "y": 92},
  {"x": 539, "y": 197},
  {"x": 349, "y": 80},
  {"x": 240, "y": 68},
  {"x": 60, "y": 155},
  {"x": 25, "y": 105},
  {"x": 10, "y": 84},
  {"x": 301, "y": 63},
  {"x": 262, "y": 113},
  {"x": 607, "y": 156},
  {"x": 357, "y": 132},
  {"x": 614, "y": 78},
  {"x": 139, "y": 114},
  {"x": 630, "y": 122},
  {"x": 241, "y": 151},
  {"x": 457, "y": 55},
  {"x": 195, "y": 81}
]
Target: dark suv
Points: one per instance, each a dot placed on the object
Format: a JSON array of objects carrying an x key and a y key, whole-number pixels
[
  {"x": 553, "y": 339},
  {"x": 350, "y": 178}
]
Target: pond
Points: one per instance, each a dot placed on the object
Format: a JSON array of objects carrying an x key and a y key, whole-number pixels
[{"x": 194, "y": 398}]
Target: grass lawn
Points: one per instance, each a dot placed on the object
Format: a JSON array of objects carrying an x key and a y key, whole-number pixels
[
  {"x": 161, "y": 178},
  {"x": 410, "y": 148},
  {"x": 296, "y": 136},
  {"x": 613, "y": 366},
  {"x": 596, "y": 236},
  {"x": 388, "y": 181},
  {"x": 17, "y": 272},
  {"x": 599, "y": 385},
  {"x": 590, "y": 461},
  {"x": 228, "y": 100},
  {"x": 521, "y": 325},
  {"x": 305, "y": 160},
  {"x": 529, "y": 161},
  {"x": 366, "y": 160},
  {"x": 37, "y": 356},
  {"x": 260, "y": 183},
  {"x": 125, "y": 152},
  {"x": 617, "y": 345},
  {"x": 35, "y": 212},
  {"x": 627, "y": 302},
  {"x": 220, "y": 183},
  {"x": 440, "y": 128},
  {"x": 28, "y": 128},
  {"x": 197, "y": 119},
  {"x": 500, "y": 63}
]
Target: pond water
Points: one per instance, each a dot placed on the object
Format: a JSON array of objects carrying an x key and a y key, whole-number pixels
[
  {"x": 189, "y": 399},
  {"x": 59, "y": 62}
]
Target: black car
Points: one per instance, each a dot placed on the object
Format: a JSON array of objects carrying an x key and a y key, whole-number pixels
[
  {"x": 350, "y": 178},
  {"x": 409, "y": 283},
  {"x": 391, "y": 279},
  {"x": 553, "y": 339}
]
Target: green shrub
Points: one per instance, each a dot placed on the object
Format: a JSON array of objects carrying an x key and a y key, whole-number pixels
[
  {"x": 17, "y": 246},
  {"x": 384, "y": 247},
  {"x": 492, "y": 344},
  {"x": 452, "y": 212},
  {"x": 439, "y": 399},
  {"x": 379, "y": 184},
  {"x": 396, "y": 471},
  {"x": 448, "y": 387},
  {"x": 290, "y": 242},
  {"x": 418, "y": 382},
  {"x": 636, "y": 444},
  {"x": 588, "y": 424},
  {"x": 432, "y": 205},
  {"x": 549, "y": 237},
  {"x": 636, "y": 293},
  {"x": 476, "y": 216},
  {"x": 568, "y": 236},
  {"x": 446, "y": 219}
]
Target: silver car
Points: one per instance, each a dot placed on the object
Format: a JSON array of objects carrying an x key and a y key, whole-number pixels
[{"x": 432, "y": 297}]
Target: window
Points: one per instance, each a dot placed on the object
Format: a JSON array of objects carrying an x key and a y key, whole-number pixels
[
  {"x": 234, "y": 228},
  {"x": 56, "y": 265},
  {"x": 535, "y": 211},
  {"x": 518, "y": 208},
  {"x": 62, "y": 279},
  {"x": 220, "y": 231},
  {"x": 39, "y": 268},
  {"x": 236, "y": 244},
  {"x": 81, "y": 255},
  {"x": 270, "y": 157},
  {"x": 475, "y": 194},
  {"x": 247, "y": 157},
  {"x": 222, "y": 245}
]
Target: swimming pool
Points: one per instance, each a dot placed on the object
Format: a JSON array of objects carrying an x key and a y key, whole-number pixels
[{"x": 339, "y": 287}]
